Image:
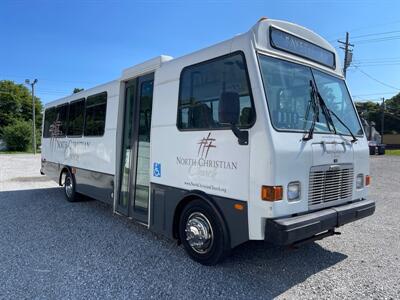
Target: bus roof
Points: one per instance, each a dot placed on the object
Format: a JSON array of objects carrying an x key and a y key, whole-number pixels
[{"x": 259, "y": 35}]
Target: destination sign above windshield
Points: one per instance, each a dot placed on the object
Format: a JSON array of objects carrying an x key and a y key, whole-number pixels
[{"x": 287, "y": 42}]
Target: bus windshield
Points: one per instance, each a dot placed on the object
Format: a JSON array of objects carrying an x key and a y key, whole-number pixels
[{"x": 289, "y": 96}]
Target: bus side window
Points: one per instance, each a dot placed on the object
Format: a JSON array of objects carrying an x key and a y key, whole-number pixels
[
  {"x": 201, "y": 86},
  {"x": 49, "y": 118},
  {"x": 95, "y": 114},
  {"x": 55, "y": 121},
  {"x": 60, "y": 127},
  {"x": 76, "y": 116}
]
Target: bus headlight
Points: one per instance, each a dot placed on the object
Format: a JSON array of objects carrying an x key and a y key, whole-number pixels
[
  {"x": 293, "y": 191},
  {"x": 360, "y": 181}
]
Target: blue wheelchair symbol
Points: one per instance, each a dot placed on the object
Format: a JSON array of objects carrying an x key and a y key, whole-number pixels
[{"x": 157, "y": 169}]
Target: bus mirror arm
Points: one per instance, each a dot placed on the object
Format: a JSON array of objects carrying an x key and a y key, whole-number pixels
[{"x": 242, "y": 135}]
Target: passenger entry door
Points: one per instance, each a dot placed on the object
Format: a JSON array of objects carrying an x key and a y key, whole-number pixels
[{"x": 133, "y": 197}]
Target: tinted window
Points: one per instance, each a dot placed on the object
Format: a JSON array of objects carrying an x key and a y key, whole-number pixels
[
  {"x": 59, "y": 128},
  {"x": 201, "y": 87},
  {"x": 95, "y": 114},
  {"x": 76, "y": 117},
  {"x": 49, "y": 118},
  {"x": 146, "y": 97}
]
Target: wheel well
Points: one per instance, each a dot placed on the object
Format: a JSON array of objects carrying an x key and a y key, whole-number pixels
[
  {"x": 177, "y": 214},
  {"x": 184, "y": 202},
  {"x": 64, "y": 170}
]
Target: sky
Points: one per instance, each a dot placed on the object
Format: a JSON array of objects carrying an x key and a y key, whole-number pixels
[{"x": 67, "y": 44}]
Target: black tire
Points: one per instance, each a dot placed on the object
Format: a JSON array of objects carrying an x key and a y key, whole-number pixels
[
  {"x": 217, "y": 247},
  {"x": 381, "y": 150},
  {"x": 371, "y": 150},
  {"x": 69, "y": 187}
]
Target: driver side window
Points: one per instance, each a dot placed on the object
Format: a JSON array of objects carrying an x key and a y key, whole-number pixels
[{"x": 201, "y": 88}]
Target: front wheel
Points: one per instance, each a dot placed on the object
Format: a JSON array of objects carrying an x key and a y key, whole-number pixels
[{"x": 203, "y": 233}]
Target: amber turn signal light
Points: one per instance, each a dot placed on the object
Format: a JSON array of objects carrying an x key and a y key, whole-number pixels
[
  {"x": 271, "y": 193},
  {"x": 367, "y": 180},
  {"x": 238, "y": 206}
]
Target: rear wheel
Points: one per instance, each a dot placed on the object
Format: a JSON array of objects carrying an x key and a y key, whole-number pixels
[
  {"x": 203, "y": 233},
  {"x": 69, "y": 187},
  {"x": 381, "y": 150}
]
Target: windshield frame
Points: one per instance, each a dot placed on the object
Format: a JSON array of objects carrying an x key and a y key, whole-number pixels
[{"x": 259, "y": 54}]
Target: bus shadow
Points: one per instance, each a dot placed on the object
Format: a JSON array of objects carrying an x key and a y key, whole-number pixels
[
  {"x": 256, "y": 268},
  {"x": 274, "y": 269}
]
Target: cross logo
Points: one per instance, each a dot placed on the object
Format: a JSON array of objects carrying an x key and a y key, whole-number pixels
[{"x": 204, "y": 146}]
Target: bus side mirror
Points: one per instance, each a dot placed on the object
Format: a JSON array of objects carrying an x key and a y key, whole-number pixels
[
  {"x": 229, "y": 108},
  {"x": 229, "y": 112}
]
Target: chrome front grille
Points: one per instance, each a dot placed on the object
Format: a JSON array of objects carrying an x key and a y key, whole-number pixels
[{"x": 330, "y": 184}]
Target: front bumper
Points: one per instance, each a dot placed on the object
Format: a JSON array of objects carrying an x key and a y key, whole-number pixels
[{"x": 290, "y": 230}]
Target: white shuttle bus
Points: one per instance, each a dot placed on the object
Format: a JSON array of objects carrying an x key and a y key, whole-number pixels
[{"x": 254, "y": 138}]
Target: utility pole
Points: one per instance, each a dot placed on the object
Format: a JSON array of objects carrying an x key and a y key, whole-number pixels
[
  {"x": 382, "y": 119},
  {"x": 32, "y": 84},
  {"x": 348, "y": 53}
]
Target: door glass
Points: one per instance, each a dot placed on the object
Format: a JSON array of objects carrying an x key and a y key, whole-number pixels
[
  {"x": 127, "y": 147},
  {"x": 143, "y": 154}
]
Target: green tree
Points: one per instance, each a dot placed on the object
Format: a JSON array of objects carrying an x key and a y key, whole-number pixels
[
  {"x": 18, "y": 136},
  {"x": 372, "y": 111},
  {"x": 16, "y": 105}
]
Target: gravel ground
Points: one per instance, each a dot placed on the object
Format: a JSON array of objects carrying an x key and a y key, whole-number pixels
[{"x": 50, "y": 248}]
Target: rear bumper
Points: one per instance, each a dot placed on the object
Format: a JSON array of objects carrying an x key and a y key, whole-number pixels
[{"x": 290, "y": 230}]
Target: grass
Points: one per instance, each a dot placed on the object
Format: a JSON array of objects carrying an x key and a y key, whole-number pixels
[
  {"x": 393, "y": 152},
  {"x": 18, "y": 152},
  {"x": 14, "y": 152}
]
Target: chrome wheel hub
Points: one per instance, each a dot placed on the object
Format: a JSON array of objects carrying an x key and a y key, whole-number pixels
[
  {"x": 68, "y": 187},
  {"x": 199, "y": 233}
]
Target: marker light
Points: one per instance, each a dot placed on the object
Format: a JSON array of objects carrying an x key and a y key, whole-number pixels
[
  {"x": 367, "y": 180},
  {"x": 293, "y": 190},
  {"x": 238, "y": 206},
  {"x": 271, "y": 193},
  {"x": 360, "y": 181}
]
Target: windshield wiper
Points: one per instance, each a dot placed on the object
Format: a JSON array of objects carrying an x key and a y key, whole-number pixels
[
  {"x": 318, "y": 101},
  {"x": 328, "y": 113},
  {"x": 313, "y": 100},
  {"x": 344, "y": 124}
]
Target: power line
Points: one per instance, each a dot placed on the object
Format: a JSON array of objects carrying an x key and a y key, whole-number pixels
[
  {"x": 375, "y": 38},
  {"x": 372, "y": 94},
  {"x": 378, "y": 40},
  {"x": 379, "y": 58},
  {"x": 374, "y": 34},
  {"x": 362, "y": 28},
  {"x": 377, "y": 61},
  {"x": 49, "y": 80},
  {"x": 377, "y": 80},
  {"x": 392, "y": 115},
  {"x": 51, "y": 90},
  {"x": 39, "y": 91},
  {"x": 376, "y": 64},
  {"x": 368, "y": 100}
]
